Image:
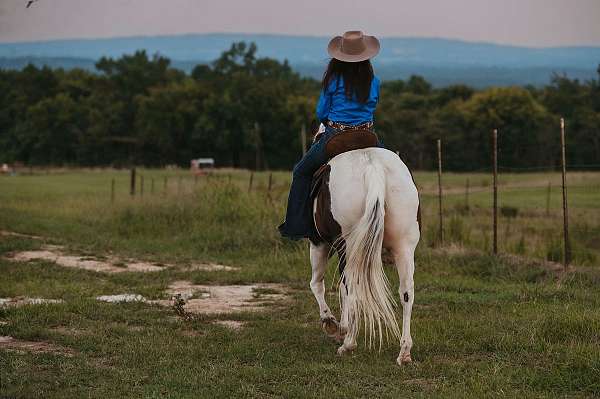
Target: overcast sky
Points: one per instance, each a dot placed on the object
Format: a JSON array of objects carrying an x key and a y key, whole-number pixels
[{"x": 520, "y": 22}]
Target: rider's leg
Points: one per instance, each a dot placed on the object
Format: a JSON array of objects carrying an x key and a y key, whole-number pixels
[{"x": 298, "y": 215}]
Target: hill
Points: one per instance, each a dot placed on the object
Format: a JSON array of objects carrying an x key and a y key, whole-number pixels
[{"x": 441, "y": 61}]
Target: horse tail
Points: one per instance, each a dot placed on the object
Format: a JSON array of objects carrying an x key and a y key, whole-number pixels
[{"x": 368, "y": 293}]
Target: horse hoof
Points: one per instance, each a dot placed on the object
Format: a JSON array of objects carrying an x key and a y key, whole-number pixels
[
  {"x": 404, "y": 359},
  {"x": 342, "y": 350},
  {"x": 330, "y": 326}
]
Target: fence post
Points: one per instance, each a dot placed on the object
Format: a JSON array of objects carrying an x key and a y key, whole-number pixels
[
  {"x": 112, "y": 190},
  {"x": 467, "y": 195},
  {"x": 132, "y": 182},
  {"x": 548, "y": 193},
  {"x": 439, "y": 151},
  {"x": 270, "y": 182},
  {"x": 141, "y": 186},
  {"x": 495, "y": 168},
  {"x": 567, "y": 246},
  {"x": 250, "y": 183}
]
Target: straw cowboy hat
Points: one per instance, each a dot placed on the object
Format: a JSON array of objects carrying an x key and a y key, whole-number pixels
[{"x": 353, "y": 46}]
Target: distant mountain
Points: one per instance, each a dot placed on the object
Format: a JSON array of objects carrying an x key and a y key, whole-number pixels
[{"x": 441, "y": 61}]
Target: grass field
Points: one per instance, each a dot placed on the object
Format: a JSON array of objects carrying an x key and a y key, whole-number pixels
[{"x": 483, "y": 326}]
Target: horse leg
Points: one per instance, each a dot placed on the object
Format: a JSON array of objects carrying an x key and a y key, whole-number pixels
[
  {"x": 349, "y": 340},
  {"x": 318, "y": 260},
  {"x": 405, "y": 264}
]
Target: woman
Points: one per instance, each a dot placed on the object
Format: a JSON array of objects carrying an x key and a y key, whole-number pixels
[{"x": 349, "y": 95}]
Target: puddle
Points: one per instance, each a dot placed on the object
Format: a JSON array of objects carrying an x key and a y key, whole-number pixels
[
  {"x": 20, "y": 301},
  {"x": 10, "y": 343}
]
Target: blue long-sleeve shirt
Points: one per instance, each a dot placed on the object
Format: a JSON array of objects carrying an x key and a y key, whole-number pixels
[{"x": 333, "y": 104}]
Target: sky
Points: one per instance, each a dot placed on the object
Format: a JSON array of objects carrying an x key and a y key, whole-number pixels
[{"x": 534, "y": 23}]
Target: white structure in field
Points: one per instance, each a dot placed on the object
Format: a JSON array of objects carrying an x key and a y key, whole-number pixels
[{"x": 197, "y": 165}]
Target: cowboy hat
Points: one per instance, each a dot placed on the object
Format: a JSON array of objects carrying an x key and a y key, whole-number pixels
[{"x": 353, "y": 46}]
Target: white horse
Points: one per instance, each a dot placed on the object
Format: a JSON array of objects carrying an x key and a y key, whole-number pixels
[{"x": 374, "y": 201}]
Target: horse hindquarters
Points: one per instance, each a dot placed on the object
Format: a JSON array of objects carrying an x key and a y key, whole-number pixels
[
  {"x": 358, "y": 190},
  {"x": 402, "y": 235}
]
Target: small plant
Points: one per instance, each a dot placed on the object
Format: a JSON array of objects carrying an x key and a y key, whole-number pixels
[{"x": 179, "y": 308}]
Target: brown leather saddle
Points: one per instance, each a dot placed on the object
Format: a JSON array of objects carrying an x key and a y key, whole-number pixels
[
  {"x": 339, "y": 143},
  {"x": 349, "y": 140}
]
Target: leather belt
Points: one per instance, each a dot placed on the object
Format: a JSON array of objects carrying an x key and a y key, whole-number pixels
[{"x": 341, "y": 126}]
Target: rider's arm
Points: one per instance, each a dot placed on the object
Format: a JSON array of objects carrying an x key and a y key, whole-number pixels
[{"x": 323, "y": 106}]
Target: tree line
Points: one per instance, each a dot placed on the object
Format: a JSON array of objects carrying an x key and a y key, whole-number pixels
[{"x": 247, "y": 111}]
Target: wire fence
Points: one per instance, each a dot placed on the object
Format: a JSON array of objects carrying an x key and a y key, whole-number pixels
[
  {"x": 525, "y": 209},
  {"x": 498, "y": 208}
]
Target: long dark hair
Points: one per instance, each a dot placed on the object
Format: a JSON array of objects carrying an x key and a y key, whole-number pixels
[{"x": 357, "y": 77}]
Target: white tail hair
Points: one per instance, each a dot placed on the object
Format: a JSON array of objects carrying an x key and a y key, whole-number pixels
[{"x": 368, "y": 294}]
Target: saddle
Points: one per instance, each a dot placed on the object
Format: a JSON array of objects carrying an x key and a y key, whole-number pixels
[{"x": 348, "y": 140}]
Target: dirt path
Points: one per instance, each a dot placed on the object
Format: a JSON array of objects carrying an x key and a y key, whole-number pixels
[{"x": 110, "y": 264}]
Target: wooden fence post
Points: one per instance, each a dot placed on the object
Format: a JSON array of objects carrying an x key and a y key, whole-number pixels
[
  {"x": 495, "y": 168},
  {"x": 270, "y": 182},
  {"x": 141, "y": 186},
  {"x": 548, "y": 194},
  {"x": 250, "y": 183},
  {"x": 567, "y": 245},
  {"x": 439, "y": 151},
  {"x": 112, "y": 190},
  {"x": 467, "y": 195},
  {"x": 132, "y": 182}
]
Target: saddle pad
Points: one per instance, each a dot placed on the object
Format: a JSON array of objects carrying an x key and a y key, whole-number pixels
[
  {"x": 328, "y": 229},
  {"x": 349, "y": 140}
]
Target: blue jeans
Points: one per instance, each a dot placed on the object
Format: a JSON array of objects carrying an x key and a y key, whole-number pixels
[{"x": 298, "y": 217}]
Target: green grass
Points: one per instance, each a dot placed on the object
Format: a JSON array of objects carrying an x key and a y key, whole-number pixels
[{"x": 482, "y": 326}]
